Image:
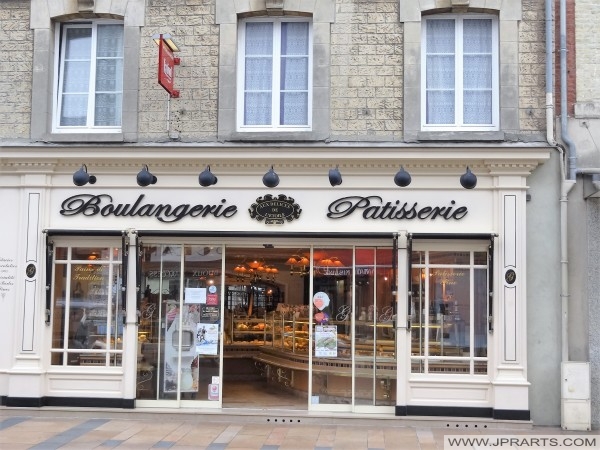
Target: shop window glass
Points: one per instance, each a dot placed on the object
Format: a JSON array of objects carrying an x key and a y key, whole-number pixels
[
  {"x": 449, "y": 312},
  {"x": 332, "y": 325},
  {"x": 90, "y": 77},
  {"x": 180, "y": 322},
  {"x": 87, "y": 308},
  {"x": 374, "y": 327},
  {"x": 353, "y": 326}
]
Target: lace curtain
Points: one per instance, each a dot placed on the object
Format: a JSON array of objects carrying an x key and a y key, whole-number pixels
[
  {"x": 76, "y": 76},
  {"x": 441, "y": 67},
  {"x": 293, "y": 69},
  {"x": 259, "y": 73},
  {"x": 77, "y": 67},
  {"x": 294, "y": 74},
  {"x": 477, "y": 71},
  {"x": 109, "y": 76}
]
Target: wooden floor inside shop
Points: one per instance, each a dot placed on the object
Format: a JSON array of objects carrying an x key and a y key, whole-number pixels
[{"x": 259, "y": 394}]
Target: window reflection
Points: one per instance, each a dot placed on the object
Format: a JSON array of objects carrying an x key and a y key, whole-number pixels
[
  {"x": 87, "y": 321},
  {"x": 449, "y": 312}
]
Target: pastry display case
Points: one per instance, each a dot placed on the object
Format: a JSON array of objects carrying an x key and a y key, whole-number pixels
[
  {"x": 289, "y": 333},
  {"x": 248, "y": 330}
]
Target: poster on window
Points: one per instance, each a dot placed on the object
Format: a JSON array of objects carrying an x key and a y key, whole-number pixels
[
  {"x": 194, "y": 295},
  {"x": 179, "y": 338},
  {"x": 207, "y": 338},
  {"x": 325, "y": 341}
]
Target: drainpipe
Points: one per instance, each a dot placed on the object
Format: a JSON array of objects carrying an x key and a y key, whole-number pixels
[
  {"x": 566, "y": 184},
  {"x": 567, "y": 179},
  {"x": 575, "y": 377},
  {"x": 549, "y": 74}
]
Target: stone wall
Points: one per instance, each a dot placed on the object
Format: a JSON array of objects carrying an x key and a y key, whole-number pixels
[
  {"x": 587, "y": 16},
  {"x": 366, "y": 80},
  {"x": 532, "y": 68},
  {"x": 16, "y": 68},
  {"x": 366, "y": 70},
  {"x": 193, "y": 115}
]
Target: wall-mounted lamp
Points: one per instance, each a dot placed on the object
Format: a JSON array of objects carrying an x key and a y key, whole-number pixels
[
  {"x": 468, "y": 180},
  {"x": 402, "y": 177},
  {"x": 335, "y": 177},
  {"x": 206, "y": 178},
  {"x": 270, "y": 179},
  {"x": 145, "y": 178},
  {"x": 81, "y": 177},
  {"x": 168, "y": 39}
]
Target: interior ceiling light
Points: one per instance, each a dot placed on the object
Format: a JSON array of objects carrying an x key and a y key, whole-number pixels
[
  {"x": 255, "y": 270},
  {"x": 334, "y": 261},
  {"x": 298, "y": 260}
]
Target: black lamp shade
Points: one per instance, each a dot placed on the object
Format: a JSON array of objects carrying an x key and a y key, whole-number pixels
[
  {"x": 145, "y": 178},
  {"x": 335, "y": 177},
  {"x": 402, "y": 178},
  {"x": 206, "y": 178},
  {"x": 468, "y": 180},
  {"x": 271, "y": 179},
  {"x": 82, "y": 177}
]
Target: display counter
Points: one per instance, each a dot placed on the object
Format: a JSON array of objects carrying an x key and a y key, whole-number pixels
[
  {"x": 290, "y": 334},
  {"x": 278, "y": 347}
]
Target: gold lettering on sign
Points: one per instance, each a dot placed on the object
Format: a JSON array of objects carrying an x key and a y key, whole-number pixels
[{"x": 87, "y": 273}]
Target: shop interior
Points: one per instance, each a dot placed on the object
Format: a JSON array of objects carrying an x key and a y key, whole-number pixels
[{"x": 266, "y": 325}]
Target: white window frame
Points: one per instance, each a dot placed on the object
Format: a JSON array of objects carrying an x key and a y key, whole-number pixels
[
  {"x": 458, "y": 124},
  {"x": 275, "y": 88},
  {"x": 471, "y": 359},
  {"x": 110, "y": 357},
  {"x": 60, "y": 37}
]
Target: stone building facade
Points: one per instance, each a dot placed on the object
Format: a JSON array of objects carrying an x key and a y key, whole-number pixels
[{"x": 367, "y": 102}]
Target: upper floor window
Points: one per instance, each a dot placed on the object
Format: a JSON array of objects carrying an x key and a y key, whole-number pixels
[
  {"x": 275, "y": 75},
  {"x": 90, "y": 77},
  {"x": 460, "y": 77}
]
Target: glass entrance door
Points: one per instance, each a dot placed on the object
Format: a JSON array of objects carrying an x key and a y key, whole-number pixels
[
  {"x": 180, "y": 323},
  {"x": 374, "y": 328},
  {"x": 354, "y": 352}
]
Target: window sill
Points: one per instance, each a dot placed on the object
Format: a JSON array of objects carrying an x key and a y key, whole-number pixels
[
  {"x": 463, "y": 136},
  {"x": 276, "y": 136},
  {"x": 84, "y": 137}
]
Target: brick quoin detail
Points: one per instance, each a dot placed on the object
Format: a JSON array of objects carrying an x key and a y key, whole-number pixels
[{"x": 571, "y": 62}]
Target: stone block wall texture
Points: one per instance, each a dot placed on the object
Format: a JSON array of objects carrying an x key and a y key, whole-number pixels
[
  {"x": 587, "y": 18},
  {"x": 366, "y": 71},
  {"x": 194, "y": 114},
  {"x": 532, "y": 68},
  {"x": 16, "y": 68}
]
